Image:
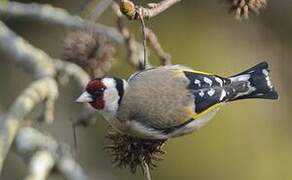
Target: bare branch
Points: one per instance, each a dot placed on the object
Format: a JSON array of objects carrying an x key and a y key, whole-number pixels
[
  {"x": 158, "y": 8},
  {"x": 29, "y": 141},
  {"x": 40, "y": 165},
  {"x": 50, "y": 14},
  {"x": 44, "y": 89},
  {"x": 33, "y": 59},
  {"x": 143, "y": 26},
  {"x": 35, "y": 93},
  {"x": 135, "y": 49},
  {"x": 68, "y": 166},
  {"x": 67, "y": 70},
  {"x": 135, "y": 12},
  {"x": 100, "y": 8},
  {"x": 129, "y": 9},
  {"x": 165, "y": 58},
  {"x": 47, "y": 13}
]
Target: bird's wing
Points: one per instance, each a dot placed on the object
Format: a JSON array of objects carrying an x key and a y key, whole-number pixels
[{"x": 208, "y": 90}]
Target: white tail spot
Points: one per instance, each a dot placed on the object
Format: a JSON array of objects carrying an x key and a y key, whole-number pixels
[
  {"x": 223, "y": 94},
  {"x": 266, "y": 73}
]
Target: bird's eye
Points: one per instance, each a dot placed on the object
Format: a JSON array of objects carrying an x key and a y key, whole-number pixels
[{"x": 99, "y": 92}]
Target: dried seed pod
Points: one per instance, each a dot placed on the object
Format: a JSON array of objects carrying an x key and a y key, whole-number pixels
[
  {"x": 127, "y": 7},
  {"x": 242, "y": 8},
  {"x": 92, "y": 52},
  {"x": 130, "y": 152}
]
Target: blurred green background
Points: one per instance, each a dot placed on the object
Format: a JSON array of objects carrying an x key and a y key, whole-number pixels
[{"x": 247, "y": 140}]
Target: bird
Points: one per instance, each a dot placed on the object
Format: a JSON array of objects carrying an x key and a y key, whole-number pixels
[{"x": 174, "y": 100}]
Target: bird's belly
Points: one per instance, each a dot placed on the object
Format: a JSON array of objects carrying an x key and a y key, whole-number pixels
[
  {"x": 139, "y": 130},
  {"x": 136, "y": 129}
]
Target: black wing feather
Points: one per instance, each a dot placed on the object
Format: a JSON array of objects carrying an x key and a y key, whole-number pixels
[{"x": 207, "y": 89}]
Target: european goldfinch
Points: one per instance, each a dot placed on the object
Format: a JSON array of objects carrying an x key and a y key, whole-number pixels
[{"x": 170, "y": 101}]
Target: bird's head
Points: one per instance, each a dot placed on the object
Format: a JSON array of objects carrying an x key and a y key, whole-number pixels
[{"x": 104, "y": 93}]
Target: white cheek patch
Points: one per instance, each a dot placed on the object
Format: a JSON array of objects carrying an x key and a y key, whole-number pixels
[{"x": 110, "y": 95}]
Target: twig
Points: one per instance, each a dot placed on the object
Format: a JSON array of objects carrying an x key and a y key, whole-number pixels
[
  {"x": 74, "y": 128},
  {"x": 67, "y": 165},
  {"x": 34, "y": 59},
  {"x": 158, "y": 8},
  {"x": 145, "y": 59},
  {"x": 35, "y": 93},
  {"x": 139, "y": 13},
  {"x": 29, "y": 141},
  {"x": 100, "y": 8},
  {"x": 53, "y": 15},
  {"x": 135, "y": 49},
  {"x": 129, "y": 9},
  {"x": 146, "y": 171},
  {"x": 67, "y": 70},
  {"x": 165, "y": 58}
]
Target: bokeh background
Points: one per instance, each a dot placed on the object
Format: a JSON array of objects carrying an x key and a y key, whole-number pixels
[{"x": 247, "y": 140}]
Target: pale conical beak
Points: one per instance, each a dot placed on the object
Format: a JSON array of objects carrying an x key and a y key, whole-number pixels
[{"x": 84, "y": 97}]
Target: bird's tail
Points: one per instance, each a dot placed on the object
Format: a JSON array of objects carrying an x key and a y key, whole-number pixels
[{"x": 252, "y": 83}]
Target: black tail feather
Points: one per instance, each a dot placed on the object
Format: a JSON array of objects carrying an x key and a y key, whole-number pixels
[{"x": 253, "y": 83}]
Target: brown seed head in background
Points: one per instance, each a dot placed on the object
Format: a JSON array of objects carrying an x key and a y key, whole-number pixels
[
  {"x": 93, "y": 52},
  {"x": 242, "y": 8}
]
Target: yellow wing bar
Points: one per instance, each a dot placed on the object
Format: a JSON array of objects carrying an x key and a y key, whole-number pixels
[
  {"x": 193, "y": 115},
  {"x": 193, "y": 71}
]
